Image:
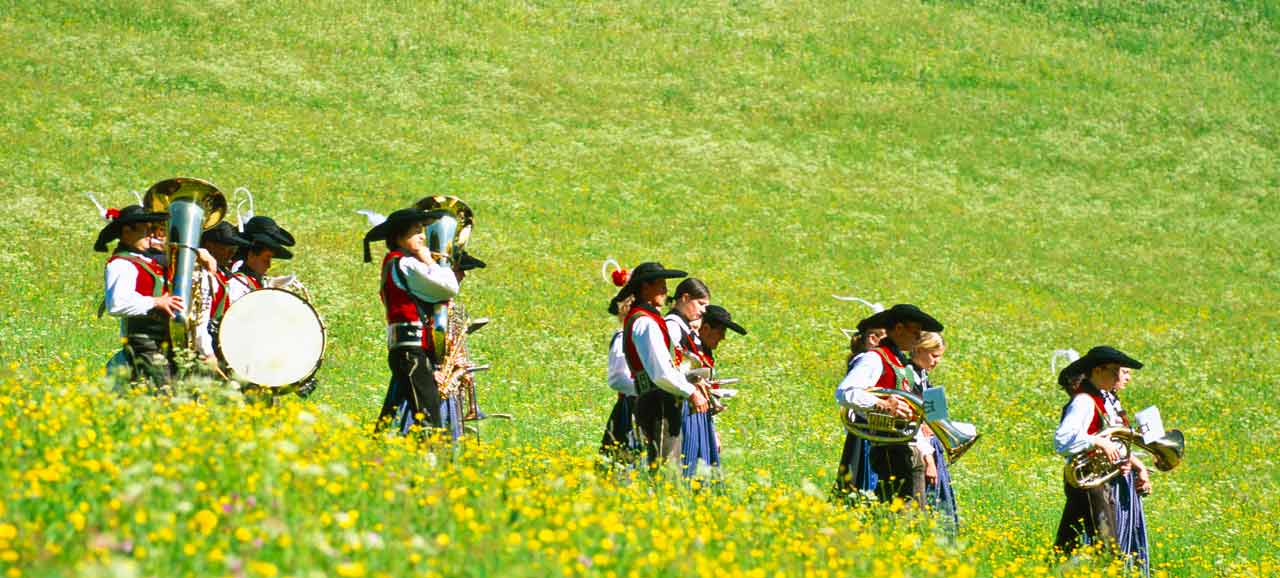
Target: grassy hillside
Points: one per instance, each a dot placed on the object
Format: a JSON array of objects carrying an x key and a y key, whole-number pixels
[{"x": 1040, "y": 174}]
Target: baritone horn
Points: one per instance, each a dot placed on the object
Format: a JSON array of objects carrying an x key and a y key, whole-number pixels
[
  {"x": 194, "y": 205},
  {"x": 877, "y": 426},
  {"x": 1090, "y": 468}
]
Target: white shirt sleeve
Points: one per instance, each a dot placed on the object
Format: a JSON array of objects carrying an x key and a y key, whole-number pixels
[
  {"x": 852, "y": 391},
  {"x": 620, "y": 379},
  {"x": 1072, "y": 435},
  {"x": 237, "y": 288},
  {"x": 204, "y": 340},
  {"x": 656, "y": 358},
  {"x": 431, "y": 282},
  {"x": 122, "y": 297}
]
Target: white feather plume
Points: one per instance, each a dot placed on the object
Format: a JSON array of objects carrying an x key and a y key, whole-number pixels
[
  {"x": 1068, "y": 355},
  {"x": 875, "y": 307},
  {"x": 102, "y": 211},
  {"x": 375, "y": 218},
  {"x": 242, "y": 216},
  {"x": 604, "y": 269},
  {"x": 138, "y": 195}
]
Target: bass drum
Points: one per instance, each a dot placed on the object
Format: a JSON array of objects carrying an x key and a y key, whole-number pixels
[{"x": 271, "y": 338}]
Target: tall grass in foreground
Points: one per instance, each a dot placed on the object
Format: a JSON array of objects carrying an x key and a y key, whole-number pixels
[{"x": 105, "y": 485}]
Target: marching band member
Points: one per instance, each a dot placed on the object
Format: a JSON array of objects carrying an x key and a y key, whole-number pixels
[
  {"x": 137, "y": 292},
  {"x": 1111, "y": 513},
  {"x": 411, "y": 282},
  {"x": 710, "y": 332},
  {"x": 697, "y": 441},
  {"x": 939, "y": 494},
  {"x": 649, "y": 350},
  {"x": 899, "y": 468},
  {"x": 262, "y": 249},
  {"x": 620, "y": 443},
  {"x": 221, "y": 242},
  {"x": 264, "y": 226},
  {"x": 854, "y": 474}
]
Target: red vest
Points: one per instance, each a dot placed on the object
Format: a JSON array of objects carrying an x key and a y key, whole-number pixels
[
  {"x": 151, "y": 276},
  {"x": 893, "y": 374},
  {"x": 1100, "y": 413},
  {"x": 220, "y": 297},
  {"x": 629, "y": 340},
  {"x": 248, "y": 279},
  {"x": 689, "y": 347},
  {"x": 402, "y": 306}
]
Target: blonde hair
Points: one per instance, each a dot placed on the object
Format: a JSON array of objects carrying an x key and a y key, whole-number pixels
[
  {"x": 624, "y": 308},
  {"x": 930, "y": 341}
]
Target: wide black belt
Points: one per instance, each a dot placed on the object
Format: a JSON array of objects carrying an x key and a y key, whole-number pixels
[
  {"x": 409, "y": 334},
  {"x": 152, "y": 325}
]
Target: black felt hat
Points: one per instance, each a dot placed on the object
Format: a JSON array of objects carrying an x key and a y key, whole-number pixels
[
  {"x": 260, "y": 240},
  {"x": 128, "y": 216},
  {"x": 267, "y": 226},
  {"x": 643, "y": 273},
  {"x": 224, "y": 233},
  {"x": 466, "y": 262},
  {"x": 396, "y": 221},
  {"x": 905, "y": 313},
  {"x": 878, "y": 320},
  {"x": 717, "y": 315},
  {"x": 1100, "y": 355}
]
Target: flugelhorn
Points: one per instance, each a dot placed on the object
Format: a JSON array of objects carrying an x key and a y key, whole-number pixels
[
  {"x": 956, "y": 437},
  {"x": 1090, "y": 468},
  {"x": 194, "y": 205}
]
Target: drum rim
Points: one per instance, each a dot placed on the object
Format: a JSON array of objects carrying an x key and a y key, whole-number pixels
[{"x": 275, "y": 389}]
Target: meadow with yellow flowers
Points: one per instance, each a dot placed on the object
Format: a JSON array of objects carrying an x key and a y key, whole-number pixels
[{"x": 1038, "y": 175}]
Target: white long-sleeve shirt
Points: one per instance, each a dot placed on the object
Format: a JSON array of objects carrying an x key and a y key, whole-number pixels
[
  {"x": 430, "y": 281},
  {"x": 655, "y": 356},
  {"x": 620, "y": 379},
  {"x": 1073, "y": 435},
  {"x": 122, "y": 298},
  {"x": 208, "y": 289},
  {"x": 863, "y": 375}
]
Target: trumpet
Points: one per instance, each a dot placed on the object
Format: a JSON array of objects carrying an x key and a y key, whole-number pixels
[
  {"x": 956, "y": 437},
  {"x": 1090, "y": 468}
]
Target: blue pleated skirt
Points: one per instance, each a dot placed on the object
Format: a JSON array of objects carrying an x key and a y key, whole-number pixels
[
  {"x": 698, "y": 441},
  {"x": 941, "y": 496},
  {"x": 854, "y": 472},
  {"x": 450, "y": 417},
  {"x": 1131, "y": 523}
]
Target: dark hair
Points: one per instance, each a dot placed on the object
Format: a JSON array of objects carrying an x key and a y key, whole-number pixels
[{"x": 694, "y": 288}]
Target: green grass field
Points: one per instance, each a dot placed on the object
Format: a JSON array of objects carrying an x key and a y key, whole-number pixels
[{"x": 1038, "y": 174}]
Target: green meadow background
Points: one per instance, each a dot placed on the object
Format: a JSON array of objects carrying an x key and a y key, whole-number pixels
[{"x": 1037, "y": 174}]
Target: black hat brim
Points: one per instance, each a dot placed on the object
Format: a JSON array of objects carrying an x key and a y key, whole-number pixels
[
  {"x": 395, "y": 220},
  {"x": 1100, "y": 355},
  {"x": 648, "y": 276},
  {"x": 278, "y": 251},
  {"x": 926, "y": 321},
  {"x": 740, "y": 330},
  {"x": 111, "y": 232}
]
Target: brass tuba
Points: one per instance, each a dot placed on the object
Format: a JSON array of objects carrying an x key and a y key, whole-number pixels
[
  {"x": 956, "y": 437},
  {"x": 447, "y": 234},
  {"x": 1090, "y": 468},
  {"x": 193, "y": 206}
]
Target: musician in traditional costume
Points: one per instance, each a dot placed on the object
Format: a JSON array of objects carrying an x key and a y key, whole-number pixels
[
  {"x": 264, "y": 227},
  {"x": 222, "y": 242},
  {"x": 137, "y": 292},
  {"x": 263, "y": 249},
  {"x": 649, "y": 349},
  {"x": 1111, "y": 513},
  {"x": 854, "y": 476},
  {"x": 697, "y": 441},
  {"x": 704, "y": 449},
  {"x": 620, "y": 444},
  {"x": 939, "y": 494},
  {"x": 899, "y": 467},
  {"x": 412, "y": 282}
]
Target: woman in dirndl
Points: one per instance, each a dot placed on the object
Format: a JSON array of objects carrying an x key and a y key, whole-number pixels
[
  {"x": 698, "y": 444},
  {"x": 1111, "y": 514},
  {"x": 939, "y": 494}
]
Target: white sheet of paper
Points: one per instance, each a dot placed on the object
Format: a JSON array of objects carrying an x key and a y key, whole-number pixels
[
  {"x": 1150, "y": 424},
  {"x": 935, "y": 404}
]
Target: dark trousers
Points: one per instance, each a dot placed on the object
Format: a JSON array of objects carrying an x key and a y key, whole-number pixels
[
  {"x": 899, "y": 471},
  {"x": 1089, "y": 516},
  {"x": 658, "y": 415},
  {"x": 149, "y": 360},
  {"x": 413, "y": 379}
]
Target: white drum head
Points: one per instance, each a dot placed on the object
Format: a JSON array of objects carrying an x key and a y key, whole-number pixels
[{"x": 271, "y": 338}]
